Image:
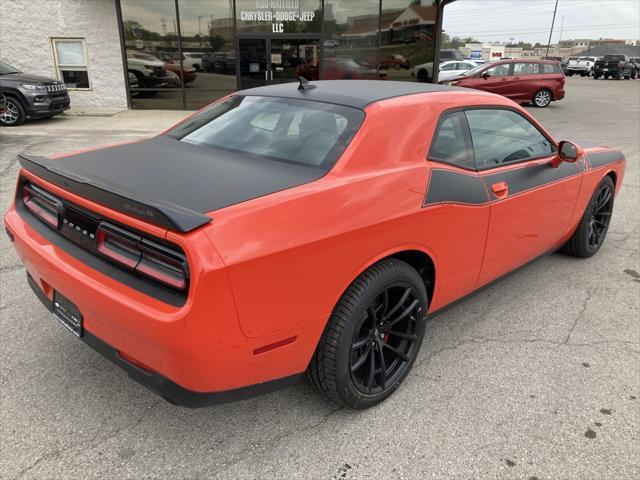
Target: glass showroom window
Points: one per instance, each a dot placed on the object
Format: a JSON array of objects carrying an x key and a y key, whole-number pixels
[{"x": 70, "y": 56}]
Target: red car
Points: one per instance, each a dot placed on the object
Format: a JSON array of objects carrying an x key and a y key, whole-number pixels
[
  {"x": 189, "y": 74},
  {"x": 395, "y": 61},
  {"x": 524, "y": 81},
  {"x": 300, "y": 228}
]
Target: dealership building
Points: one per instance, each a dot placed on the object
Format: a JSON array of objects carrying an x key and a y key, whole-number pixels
[{"x": 182, "y": 54}]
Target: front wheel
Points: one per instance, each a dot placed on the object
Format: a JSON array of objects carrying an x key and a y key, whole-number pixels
[
  {"x": 593, "y": 227},
  {"x": 542, "y": 98},
  {"x": 14, "y": 113},
  {"x": 423, "y": 76},
  {"x": 596, "y": 76},
  {"x": 373, "y": 336}
]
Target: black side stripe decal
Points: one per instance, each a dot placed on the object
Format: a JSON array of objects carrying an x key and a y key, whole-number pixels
[
  {"x": 532, "y": 176},
  {"x": 447, "y": 186},
  {"x": 603, "y": 158}
]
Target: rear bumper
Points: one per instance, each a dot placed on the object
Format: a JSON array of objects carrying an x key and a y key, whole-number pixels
[
  {"x": 195, "y": 354},
  {"x": 162, "y": 386}
]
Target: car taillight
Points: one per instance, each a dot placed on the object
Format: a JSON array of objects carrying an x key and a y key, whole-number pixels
[
  {"x": 149, "y": 258},
  {"x": 43, "y": 205}
]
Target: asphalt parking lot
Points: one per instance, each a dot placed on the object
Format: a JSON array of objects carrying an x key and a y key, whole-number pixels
[{"x": 536, "y": 377}]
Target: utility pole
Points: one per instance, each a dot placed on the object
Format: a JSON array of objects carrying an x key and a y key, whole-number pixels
[
  {"x": 561, "y": 27},
  {"x": 511, "y": 44},
  {"x": 551, "y": 32}
]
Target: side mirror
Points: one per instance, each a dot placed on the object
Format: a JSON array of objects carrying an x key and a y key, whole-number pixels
[
  {"x": 567, "y": 152},
  {"x": 486, "y": 75}
]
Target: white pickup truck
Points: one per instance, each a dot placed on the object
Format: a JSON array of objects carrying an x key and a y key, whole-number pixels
[{"x": 581, "y": 65}]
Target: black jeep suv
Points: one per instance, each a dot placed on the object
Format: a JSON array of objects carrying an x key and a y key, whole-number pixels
[{"x": 30, "y": 96}]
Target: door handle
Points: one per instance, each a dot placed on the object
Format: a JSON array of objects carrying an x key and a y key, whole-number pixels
[{"x": 500, "y": 189}]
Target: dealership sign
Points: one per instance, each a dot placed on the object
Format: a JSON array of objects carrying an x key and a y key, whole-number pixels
[{"x": 277, "y": 12}]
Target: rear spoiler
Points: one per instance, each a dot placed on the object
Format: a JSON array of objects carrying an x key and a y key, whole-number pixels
[{"x": 157, "y": 212}]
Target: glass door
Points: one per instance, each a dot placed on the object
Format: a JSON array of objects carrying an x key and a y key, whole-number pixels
[
  {"x": 254, "y": 67},
  {"x": 293, "y": 58},
  {"x": 266, "y": 61}
]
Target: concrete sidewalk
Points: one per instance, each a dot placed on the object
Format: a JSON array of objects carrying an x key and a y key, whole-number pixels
[{"x": 122, "y": 122}]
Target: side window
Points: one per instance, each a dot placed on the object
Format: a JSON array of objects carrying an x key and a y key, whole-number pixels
[
  {"x": 503, "y": 136},
  {"x": 501, "y": 70},
  {"x": 551, "y": 68},
  {"x": 451, "y": 143},
  {"x": 449, "y": 66},
  {"x": 526, "y": 69}
]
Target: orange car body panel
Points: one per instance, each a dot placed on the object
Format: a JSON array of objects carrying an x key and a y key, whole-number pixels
[{"x": 270, "y": 270}]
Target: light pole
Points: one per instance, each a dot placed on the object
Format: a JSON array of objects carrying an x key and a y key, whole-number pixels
[
  {"x": 551, "y": 32},
  {"x": 511, "y": 45}
]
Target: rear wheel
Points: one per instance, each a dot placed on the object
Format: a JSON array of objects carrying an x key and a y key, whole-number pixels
[
  {"x": 569, "y": 74},
  {"x": 373, "y": 336},
  {"x": 596, "y": 76},
  {"x": 542, "y": 98},
  {"x": 593, "y": 227},
  {"x": 13, "y": 114}
]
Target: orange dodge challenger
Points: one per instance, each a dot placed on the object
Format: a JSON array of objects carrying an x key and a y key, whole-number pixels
[{"x": 300, "y": 228}]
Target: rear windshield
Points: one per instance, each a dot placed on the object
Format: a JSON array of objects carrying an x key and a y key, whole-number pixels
[{"x": 283, "y": 129}]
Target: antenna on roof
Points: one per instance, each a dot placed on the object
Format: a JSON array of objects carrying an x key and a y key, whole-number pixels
[{"x": 305, "y": 84}]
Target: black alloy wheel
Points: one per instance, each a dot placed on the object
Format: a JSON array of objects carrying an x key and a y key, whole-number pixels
[
  {"x": 385, "y": 340},
  {"x": 600, "y": 217},
  {"x": 373, "y": 336},
  {"x": 594, "y": 225}
]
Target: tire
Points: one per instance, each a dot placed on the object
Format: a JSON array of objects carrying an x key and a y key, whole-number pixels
[
  {"x": 423, "y": 76},
  {"x": 356, "y": 339},
  {"x": 583, "y": 74},
  {"x": 14, "y": 114},
  {"x": 596, "y": 215},
  {"x": 569, "y": 74},
  {"x": 595, "y": 77},
  {"x": 197, "y": 67},
  {"x": 542, "y": 98}
]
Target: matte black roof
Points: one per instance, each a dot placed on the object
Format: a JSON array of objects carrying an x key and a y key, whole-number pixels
[{"x": 352, "y": 93}]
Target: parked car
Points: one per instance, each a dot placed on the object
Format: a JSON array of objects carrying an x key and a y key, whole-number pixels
[
  {"x": 524, "y": 81},
  {"x": 582, "y": 66},
  {"x": 191, "y": 59},
  {"x": 149, "y": 70},
  {"x": 30, "y": 96},
  {"x": 188, "y": 73},
  {"x": 219, "y": 62},
  {"x": 338, "y": 68},
  {"x": 395, "y": 61},
  {"x": 424, "y": 72},
  {"x": 454, "y": 68},
  {"x": 614, "y": 66},
  {"x": 266, "y": 262},
  {"x": 3, "y": 103},
  {"x": 636, "y": 65}
]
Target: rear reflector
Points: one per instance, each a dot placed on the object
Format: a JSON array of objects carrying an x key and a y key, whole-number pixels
[{"x": 43, "y": 205}]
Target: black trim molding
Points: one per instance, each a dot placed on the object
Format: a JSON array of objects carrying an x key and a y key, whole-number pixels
[
  {"x": 448, "y": 186},
  {"x": 532, "y": 176},
  {"x": 599, "y": 159}
]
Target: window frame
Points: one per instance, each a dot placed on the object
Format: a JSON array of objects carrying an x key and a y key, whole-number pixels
[
  {"x": 59, "y": 68},
  {"x": 467, "y": 133},
  {"x": 513, "y": 162}
]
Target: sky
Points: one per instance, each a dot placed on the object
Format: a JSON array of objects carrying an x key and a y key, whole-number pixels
[{"x": 530, "y": 20}]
